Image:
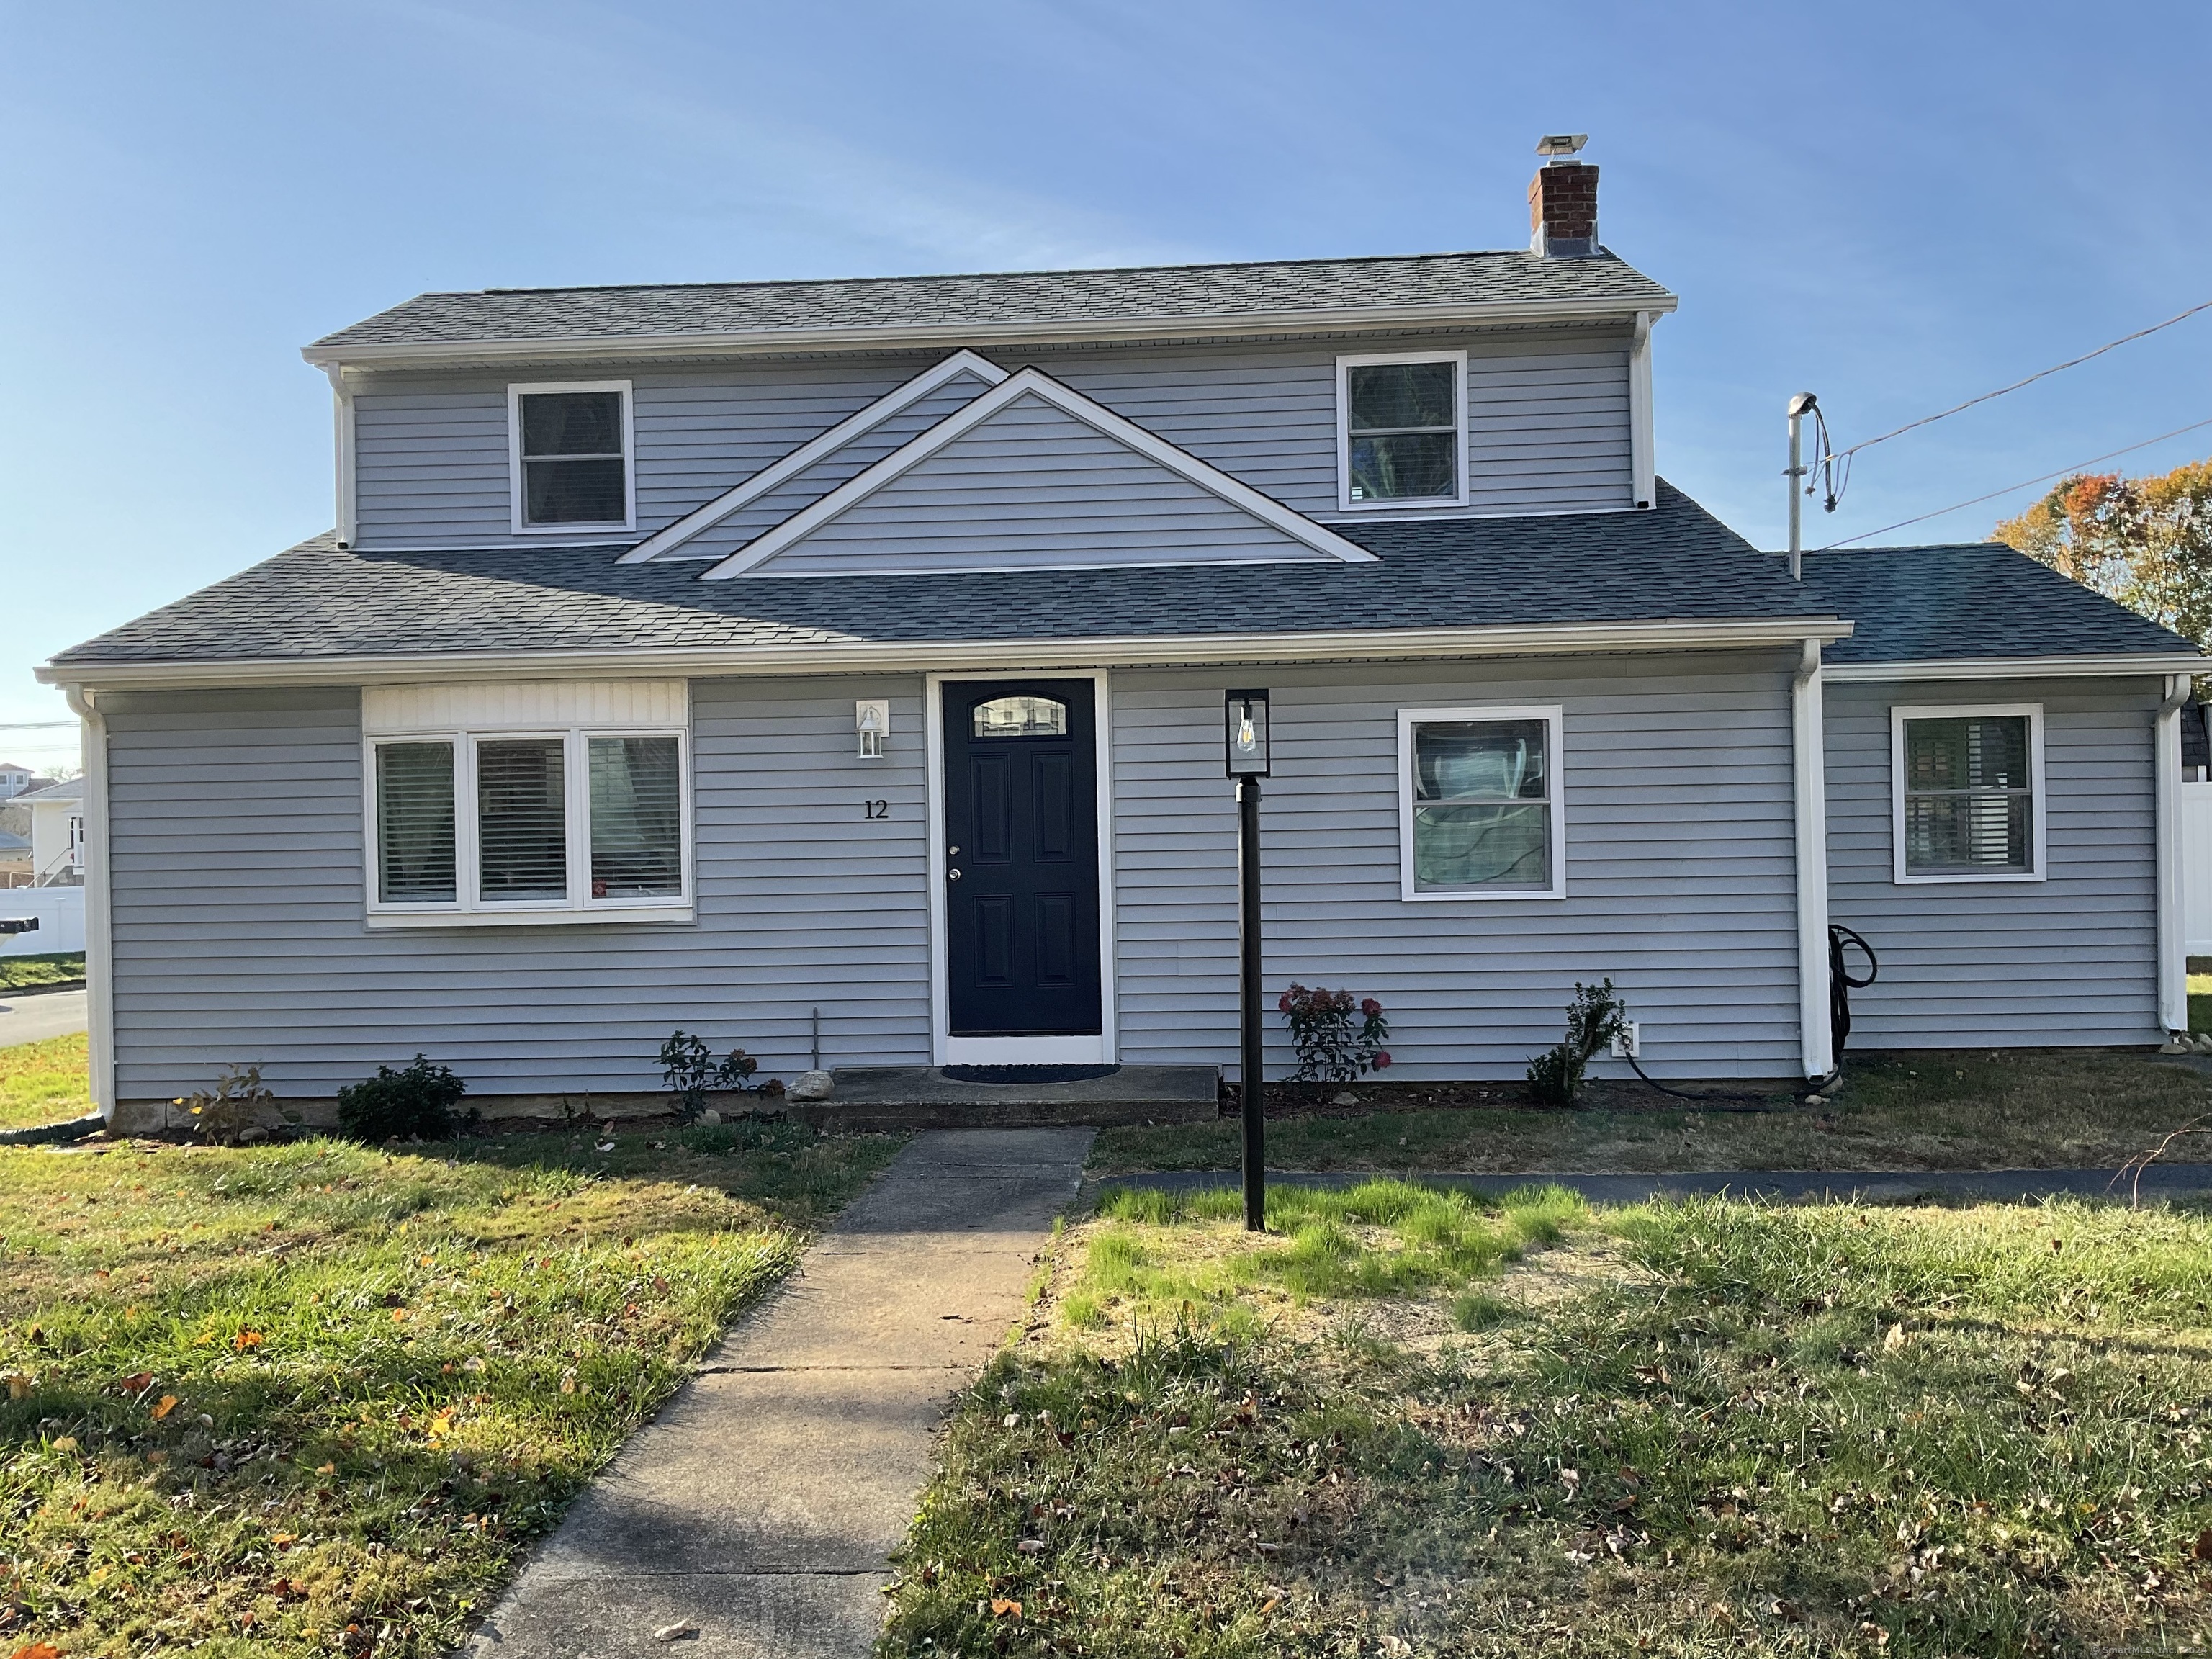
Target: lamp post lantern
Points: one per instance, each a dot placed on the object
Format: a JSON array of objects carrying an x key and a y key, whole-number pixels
[{"x": 1245, "y": 759}]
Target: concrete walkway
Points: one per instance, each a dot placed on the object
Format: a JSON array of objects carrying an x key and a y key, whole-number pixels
[
  {"x": 762, "y": 1505},
  {"x": 2159, "y": 1181},
  {"x": 36, "y": 1017}
]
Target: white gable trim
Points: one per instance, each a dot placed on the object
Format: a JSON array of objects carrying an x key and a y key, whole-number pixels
[
  {"x": 1033, "y": 382},
  {"x": 815, "y": 449}
]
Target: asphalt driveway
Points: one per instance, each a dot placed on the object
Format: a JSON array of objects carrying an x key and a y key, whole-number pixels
[{"x": 32, "y": 1019}]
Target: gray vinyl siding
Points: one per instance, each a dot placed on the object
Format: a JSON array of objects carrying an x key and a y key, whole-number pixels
[
  {"x": 1680, "y": 866},
  {"x": 239, "y": 935},
  {"x": 1548, "y": 424},
  {"x": 847, "y": 461},
  {"x": 1031, "y": 486},
  {"x": 2068, "y": 960}
]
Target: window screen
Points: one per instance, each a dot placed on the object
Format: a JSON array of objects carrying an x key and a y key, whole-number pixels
[
  {"x": 1403, "y": 431},
  {"x": 637, "y": 819},
  {"x": 572, "y": 457},
  {"x": 1969, "y": 801},
  {"x": 1482, "y": 804},
  {"x": 522, "y": 842},
  {"x": 414, "y": 823}
]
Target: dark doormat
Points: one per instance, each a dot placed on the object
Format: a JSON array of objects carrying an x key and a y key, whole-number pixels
[{"x": 1022, "y": 1074}]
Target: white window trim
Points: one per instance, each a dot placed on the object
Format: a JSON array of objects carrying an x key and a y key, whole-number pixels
[
  {"x": 1555, "y": 718},
  {"x": 577, "y": 907},
  {"x": 515, "y": 393},
  {"x": 1344, "y": 368},
  {"x": 2039, "y": 800}
]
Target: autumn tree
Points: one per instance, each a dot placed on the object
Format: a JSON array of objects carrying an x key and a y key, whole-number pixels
[{"x": 2146, "y": 542}]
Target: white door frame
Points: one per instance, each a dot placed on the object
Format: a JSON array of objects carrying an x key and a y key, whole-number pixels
[{"x": 944, "y": 1048}]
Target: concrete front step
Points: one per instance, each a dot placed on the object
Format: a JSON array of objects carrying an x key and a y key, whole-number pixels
[{"x": 923, "y": 1097}]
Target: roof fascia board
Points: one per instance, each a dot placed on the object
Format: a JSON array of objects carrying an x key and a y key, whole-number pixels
[
  {"x": 1046, "y": 332},
  {"x": 1031, "y": 382},
  {"x": 815, "y": 449},
  {"x": 858, "y": 656},
  {"x": 2105, "y": 665}
]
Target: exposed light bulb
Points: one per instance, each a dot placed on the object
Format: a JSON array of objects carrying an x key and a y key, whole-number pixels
[{"x": 1245, "y": 737}]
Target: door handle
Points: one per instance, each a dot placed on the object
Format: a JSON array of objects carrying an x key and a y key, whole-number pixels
[{"x": 952, "y": 875}]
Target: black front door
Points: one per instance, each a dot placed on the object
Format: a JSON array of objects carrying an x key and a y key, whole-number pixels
[{"x": 1021, "y": 858}]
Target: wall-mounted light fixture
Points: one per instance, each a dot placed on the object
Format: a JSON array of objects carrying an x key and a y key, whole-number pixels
[
  {"x": 1246, "y": 735},
  {"x": 871, "y": 719}
]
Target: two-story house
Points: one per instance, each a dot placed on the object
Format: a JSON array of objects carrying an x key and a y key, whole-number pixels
[{"x": 708, "y": 656}]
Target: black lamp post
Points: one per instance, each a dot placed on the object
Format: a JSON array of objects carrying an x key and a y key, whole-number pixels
[{"x": 1245, "y": 757}]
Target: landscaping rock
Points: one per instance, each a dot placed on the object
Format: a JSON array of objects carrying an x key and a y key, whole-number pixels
[
  {"x": 1346, "y": 1098},
  {"x": 710, "y": 1117},
  {"x": 812, "y": 1085}
]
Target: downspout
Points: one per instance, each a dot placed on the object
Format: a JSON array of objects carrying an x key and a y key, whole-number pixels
[
  {"x": 2172, "y": 925},
  {"x": 1809, "y": 760},
  {"x": 343, "y": 425},
  {"x": 1643, "y": 460},
  {"x": 98, "y": 929}
]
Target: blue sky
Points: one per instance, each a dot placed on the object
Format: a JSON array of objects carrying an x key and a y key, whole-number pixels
[{"x": 1895, "y": 206}]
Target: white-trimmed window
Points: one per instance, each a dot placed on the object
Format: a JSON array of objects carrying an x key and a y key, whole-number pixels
[
  {"x": 1479, "y": 811},
  {"x": 1402, "y": 429},
  {"x": 570, "y": 448},
  {"x": 1967, "y": 792},
  {"x": 521, "y": 802}
]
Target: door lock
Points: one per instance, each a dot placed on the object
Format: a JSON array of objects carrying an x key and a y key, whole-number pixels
[{"x": 952, "y": 875}]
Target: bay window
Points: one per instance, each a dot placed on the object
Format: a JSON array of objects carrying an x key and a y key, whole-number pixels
[{"x": 548, "y": 803}]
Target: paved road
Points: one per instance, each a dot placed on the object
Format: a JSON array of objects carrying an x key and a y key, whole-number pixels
[
  {"x": 2158, "y": 1181},
  {"x": 762, "y": 1505},
  {"x": 27, "y": 1019}
]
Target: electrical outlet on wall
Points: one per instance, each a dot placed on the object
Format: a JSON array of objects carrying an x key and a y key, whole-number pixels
[{"x": 1628, "y": 1040}]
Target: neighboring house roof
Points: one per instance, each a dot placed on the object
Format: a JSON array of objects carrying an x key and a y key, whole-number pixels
[
  {"x": 1676, "y": 562},
  {"x": 1974, "y": 600},
  {"x": 70, "y": 789},
  {"x": 12, "y": 842},
  {"x": 1005, "y": 304}
]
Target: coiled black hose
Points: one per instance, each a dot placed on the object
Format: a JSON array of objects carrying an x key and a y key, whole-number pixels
[{"x": 1841, "y": 984}]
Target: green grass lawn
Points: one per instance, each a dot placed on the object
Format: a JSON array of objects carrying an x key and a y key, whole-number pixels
[
  {"x": 2044, "y": 1108},
  {"x": 316, "y": 1398},
  {"x": 44, "y": 1083},
  {"x": 1698, "y": 1429},
  {"x": 21, "y": 973}
]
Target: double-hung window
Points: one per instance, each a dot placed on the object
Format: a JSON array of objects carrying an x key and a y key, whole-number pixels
[
  {"x": 1401, "y": 430},
  {"x": 521, "y": 802},
  {"x": 570, "y": 453},
  {"x": 1967, "y": 786},
  {"x": 1479, "y": 804}
]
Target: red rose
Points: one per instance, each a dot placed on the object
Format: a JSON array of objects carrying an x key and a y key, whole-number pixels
[
  {"x": 1382, "y": 1059},
  {"x": 1370, "y": 1007}
]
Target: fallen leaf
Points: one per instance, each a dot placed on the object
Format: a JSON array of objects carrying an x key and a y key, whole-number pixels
[
  {"x": 37, "y": 1650},
  {"x": 326, "y": 1469},
  {"x": 168, "y": 1403},
  {"x": 139, "y": 1383},
  {"x": 1000, "y": 1608},
  {"x": 675, "y": 1632},
  {"x": 245, "y": 1340},
  {"x": 66, "y": 1444},
  {"x": 399, "y": 1316},
  {"x": 1270, "y": 1605},
  {"x": 1031, "y": 1547},
  {"x": 1894, "y": 1340},
  {"x": 2202, "y": 1549}
]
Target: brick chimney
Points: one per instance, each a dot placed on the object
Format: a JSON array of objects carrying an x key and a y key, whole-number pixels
[{"x": 1563, "y": 200}]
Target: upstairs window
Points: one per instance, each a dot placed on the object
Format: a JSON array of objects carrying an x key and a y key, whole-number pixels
[
  {"x": 1401, "y": 424},
  {"x": 1967, "y": 786},
  {"x": 571, "y": 455}
]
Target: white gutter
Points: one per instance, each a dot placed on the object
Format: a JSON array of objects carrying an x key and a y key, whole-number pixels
[
  {"x": 2020, "y": 668},
  {"x": 857, "y": 656},
  {"x": 1039, "y": 332},
  {"x": 99, "y": 926},
  {"x": 2172, "y": 923},
  {"x": 348, "y": 526},
  {"x": 1808, "y": 767}
]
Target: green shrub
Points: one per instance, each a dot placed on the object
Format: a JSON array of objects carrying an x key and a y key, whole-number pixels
[
  {"x": 415, "y": 1102},
  {"x": 1593, "y": 1019}
]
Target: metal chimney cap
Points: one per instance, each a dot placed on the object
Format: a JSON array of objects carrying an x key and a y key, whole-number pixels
[{"x": 1558, "y": 144}]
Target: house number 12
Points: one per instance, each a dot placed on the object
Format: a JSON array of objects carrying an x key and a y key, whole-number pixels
[{"x": 875, "y": 809}]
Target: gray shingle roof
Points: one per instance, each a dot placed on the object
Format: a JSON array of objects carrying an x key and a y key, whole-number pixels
[
  {"x": 1972, "y": 599},
  {"x": 1165, "y": 293},
  {"x": 1674, "y": 563}
]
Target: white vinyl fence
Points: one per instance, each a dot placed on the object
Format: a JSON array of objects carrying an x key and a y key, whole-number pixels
[{"x": 60, "y": 913}]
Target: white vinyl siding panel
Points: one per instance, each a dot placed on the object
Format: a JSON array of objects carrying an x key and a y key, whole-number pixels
[
  {"x": 2070, "y": 959},
  {"x": 239, "y": 935},
  {"x": 1032, "y": 486},
  {"x": 1547, "y": 425},
  {"x": 1679, "y": 873}
]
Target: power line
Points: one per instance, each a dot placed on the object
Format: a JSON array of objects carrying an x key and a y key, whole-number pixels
[
  {"x": 39, "y": 726},
  {"x": 2063, "y": 472},
  {"x": 2071, "y": 363}
]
